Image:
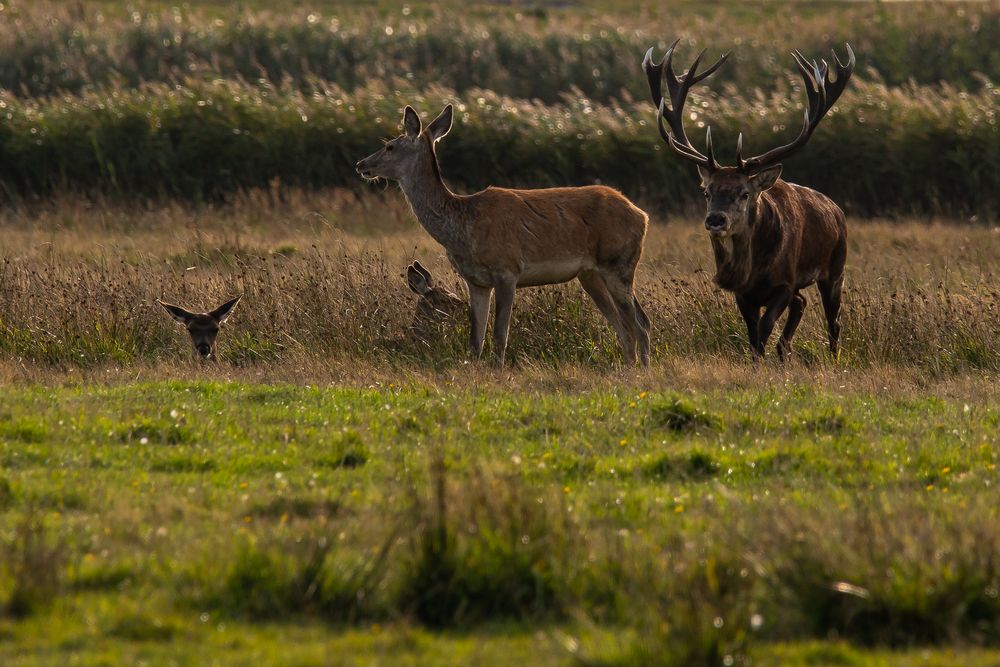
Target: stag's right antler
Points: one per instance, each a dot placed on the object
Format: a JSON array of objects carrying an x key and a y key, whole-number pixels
[
  {"x": 678, "y": 87},
  {"x": 822, "y": 94}
]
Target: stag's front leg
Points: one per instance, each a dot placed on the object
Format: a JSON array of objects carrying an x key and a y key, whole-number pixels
[
  {"x": 479, "y": 311},
  {"x": 776, "y": 305},
  {"x": 501, "y": 323},
  {"x": 751, "y": 316}
]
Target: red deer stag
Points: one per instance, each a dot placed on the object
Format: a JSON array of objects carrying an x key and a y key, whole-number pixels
[
  {"x": 771, "y": 239},
  {"x": 501, "y": 239},
  {"x": 202, "y": 327}
]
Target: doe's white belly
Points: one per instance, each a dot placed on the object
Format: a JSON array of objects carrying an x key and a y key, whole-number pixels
[{"x": 550, "y": 272}]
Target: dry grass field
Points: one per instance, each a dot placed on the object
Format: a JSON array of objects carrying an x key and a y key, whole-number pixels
[{"x": 323, "y": 279}]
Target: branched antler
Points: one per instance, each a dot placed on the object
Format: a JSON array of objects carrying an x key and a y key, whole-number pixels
[
  {"x": 822, "y": 92},
  {"x": 678, "y": 88}
]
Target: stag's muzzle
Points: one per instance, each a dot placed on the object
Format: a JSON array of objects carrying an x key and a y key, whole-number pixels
[{"x": 717, "y": 223}]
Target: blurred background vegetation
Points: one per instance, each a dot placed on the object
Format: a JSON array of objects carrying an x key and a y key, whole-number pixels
[{"x": 153, "y": 101}]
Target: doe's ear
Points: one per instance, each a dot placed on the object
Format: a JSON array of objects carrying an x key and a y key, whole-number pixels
[
  {"x": 182, "y": 316},
  {"x": 763, "y": 180},
  {"x": 411, "y": 122},
  {"x": 440, "y": 126},
  {"x": 419, "y": 281},
  {"x": 222, "y": 313}
]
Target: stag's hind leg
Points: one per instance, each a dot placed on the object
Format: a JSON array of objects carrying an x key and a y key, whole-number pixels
[
  {"x": 829, "y": 292},
  {"x": 795, "y": 310}
]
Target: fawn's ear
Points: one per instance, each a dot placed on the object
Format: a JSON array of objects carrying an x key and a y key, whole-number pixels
[
  {"x": 221, "y": 314},
  {"x": 440, "y": 125},
  {"x": 424, "y": 272},
  {"x": 176, "y": 312},
  {"x": 411, "y": 122},
  {"x": 417, "y": 280}
]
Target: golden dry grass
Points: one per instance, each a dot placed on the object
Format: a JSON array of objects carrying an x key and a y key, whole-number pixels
[{"x": 326, "y": 298}]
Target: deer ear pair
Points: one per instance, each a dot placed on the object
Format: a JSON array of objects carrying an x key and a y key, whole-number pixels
[
  {"x": 419, "y": 279},
  {"x": 183, "y": 316},
  {"x": 437, "y": 129}
]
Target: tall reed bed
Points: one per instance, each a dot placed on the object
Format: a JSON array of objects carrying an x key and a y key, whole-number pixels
[
  {"x": 882, "y": 151},
  {"x": 49, "y": 48}
]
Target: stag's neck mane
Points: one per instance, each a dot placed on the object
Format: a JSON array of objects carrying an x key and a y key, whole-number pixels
[
  {"x": 733, "y": 261},
  {"x": 438, "y": 209}
]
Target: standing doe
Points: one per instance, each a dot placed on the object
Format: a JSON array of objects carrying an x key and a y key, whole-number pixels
[
  {"x": 770, "y": 238},
  {"x": 501, "y": 239},
  {"x": 203, "y": 327}
]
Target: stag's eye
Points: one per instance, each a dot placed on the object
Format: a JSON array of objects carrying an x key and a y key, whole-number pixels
[
  {"x": 707, "y": 195},
  {"x": 388, "y": 148},
  {"x": 744, "y": 196}
]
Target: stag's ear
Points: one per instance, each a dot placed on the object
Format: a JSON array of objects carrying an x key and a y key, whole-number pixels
[
  {"x": 176, "y": 312},
  {"x": 411, "y": 122},
  {"x": 222, "y": 313},
  {"x": 416, "y": 279},
  {"x": 440, "y": 125},
  {"x": 705, "y": 174},
  {"x": 763, "y": 180}
]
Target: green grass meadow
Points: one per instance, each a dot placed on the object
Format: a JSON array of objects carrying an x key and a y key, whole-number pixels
[{"x": 245, "y": 523}]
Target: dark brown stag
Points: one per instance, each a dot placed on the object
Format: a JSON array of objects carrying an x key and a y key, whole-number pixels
[{"x": 771, "y": 239}]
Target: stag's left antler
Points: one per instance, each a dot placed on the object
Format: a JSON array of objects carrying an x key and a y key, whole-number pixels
[
  {"x": 678, "y": 87},
  {"x": 822, "y": 92}
]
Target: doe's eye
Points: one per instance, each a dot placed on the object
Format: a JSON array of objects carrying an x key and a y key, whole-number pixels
[{"x": 707, "y": 195}]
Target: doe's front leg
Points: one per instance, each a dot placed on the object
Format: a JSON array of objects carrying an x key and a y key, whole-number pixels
[
  {"x": 479, "y": 311},
  {"x": 501, "y": 323}
]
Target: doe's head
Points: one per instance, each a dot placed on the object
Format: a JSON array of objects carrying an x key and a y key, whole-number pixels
[
  {"x": 436, "y": 304},
  {"x": 202, "y": 327},
  {"x": 400, "y": 157}
]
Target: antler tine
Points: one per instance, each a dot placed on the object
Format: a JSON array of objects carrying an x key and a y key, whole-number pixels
[
  {"x": 664, "y": 133},
  {"x": 711, "y": 70},
  {"x": 654, "y": 75},
  {"x": 821, "y": 93},
  {"x": 739, "y": 151},
  {"x": 714, "y": 164}
]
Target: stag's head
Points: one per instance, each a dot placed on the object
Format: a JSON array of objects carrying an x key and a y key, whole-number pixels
[
  {"x": 202, "y": 327},
  {"x": 731, "y": 193},
  {"x": 404, "y": 155},
  {"x": 436, "y": 304}
]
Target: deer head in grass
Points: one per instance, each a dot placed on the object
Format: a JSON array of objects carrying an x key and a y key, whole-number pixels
[{"x": 202, "y": 327}]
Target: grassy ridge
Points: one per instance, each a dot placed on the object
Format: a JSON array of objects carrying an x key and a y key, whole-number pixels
[
  {"x": 900, "y": 150},
  {"x": 47, "y": 49},
  {"x": 642, "y": 511}
]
